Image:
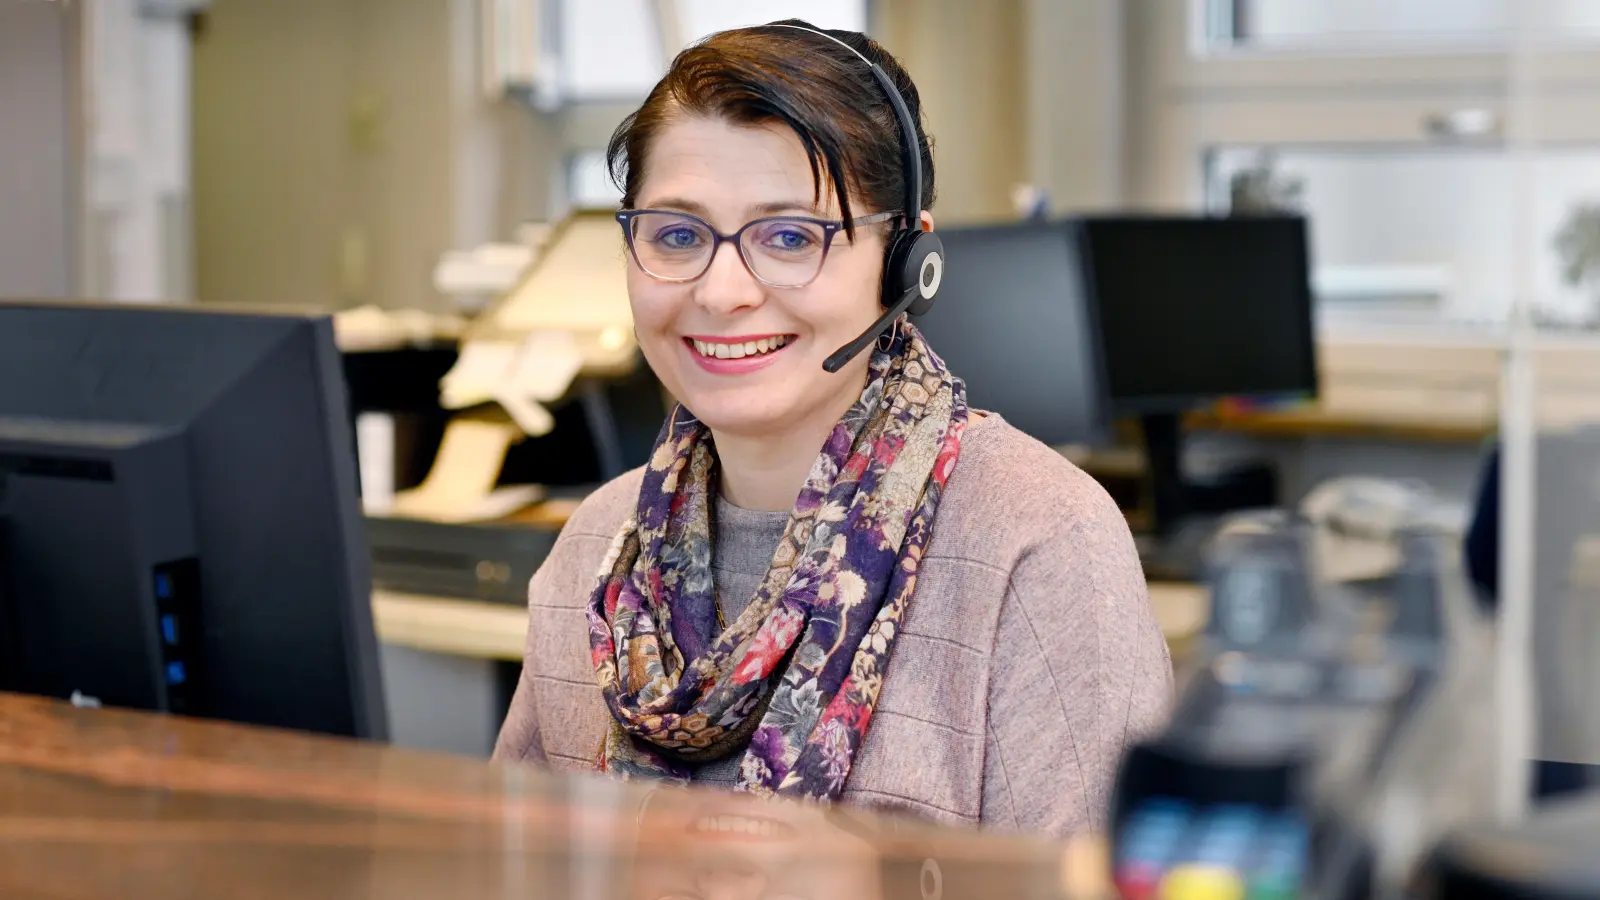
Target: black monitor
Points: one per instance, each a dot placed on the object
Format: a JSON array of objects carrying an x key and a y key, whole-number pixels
[
  {"x": 180, "y": 526},
  {"x": 1193, "y": 309},
  {"x": 1012, "y": 322}
]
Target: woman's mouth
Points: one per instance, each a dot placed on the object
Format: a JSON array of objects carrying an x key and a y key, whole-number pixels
[
  {"x": 737, "y": 354},
  {"x": 740, "y": 348}
]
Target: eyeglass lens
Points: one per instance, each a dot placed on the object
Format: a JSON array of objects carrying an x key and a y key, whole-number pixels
[{"x": 780, "y": 252}]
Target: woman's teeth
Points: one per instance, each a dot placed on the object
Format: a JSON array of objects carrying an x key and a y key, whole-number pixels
[
  {"x": 735, "y": 825},
  {"x": 740, "y": 351}
]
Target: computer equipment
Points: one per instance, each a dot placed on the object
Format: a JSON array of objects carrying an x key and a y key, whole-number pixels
[
  {"x": 1017, "y": 329},
  {"x": 180, "y": 527},
  {"x": 1192, "y": 309},
  {"x": 1331, "y": 732}
]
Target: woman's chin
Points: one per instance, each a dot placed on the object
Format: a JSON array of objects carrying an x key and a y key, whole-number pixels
[{"x": 755, "y": 420}]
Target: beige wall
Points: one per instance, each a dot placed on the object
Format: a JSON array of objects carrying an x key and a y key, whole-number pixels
[
  {"x": 274, "y": 178},
  {"x": 966, "y": 59},
  {"x": 342, "y": 145},
  {"x": 37, "y": 155},
  {"x": 1016, "y": 91},
  {"x": 1076, "y": 102}
]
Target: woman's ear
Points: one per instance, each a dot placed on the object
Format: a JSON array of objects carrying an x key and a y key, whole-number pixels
[{"x": 927, "y": 221}]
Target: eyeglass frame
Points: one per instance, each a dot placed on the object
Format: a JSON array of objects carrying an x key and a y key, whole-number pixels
[{"x": 830, "y": 228}]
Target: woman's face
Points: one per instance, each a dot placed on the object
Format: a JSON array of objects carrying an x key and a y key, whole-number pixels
[{"x": 729, "y": 175}]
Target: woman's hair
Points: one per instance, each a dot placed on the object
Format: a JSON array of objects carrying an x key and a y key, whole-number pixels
[{"x": 825, "y": 93}]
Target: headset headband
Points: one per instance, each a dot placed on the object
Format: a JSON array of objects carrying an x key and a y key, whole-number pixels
[{"x": 910, "y": 148}]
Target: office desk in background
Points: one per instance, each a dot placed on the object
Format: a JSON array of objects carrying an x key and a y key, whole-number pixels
[
  {"x": 110, "y": 803},
  {"x": 495, "y": 631},
  {"x": 450, "y": 663}
]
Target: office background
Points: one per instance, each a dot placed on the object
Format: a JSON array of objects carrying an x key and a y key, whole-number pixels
[{"x": 324, "y": 154}]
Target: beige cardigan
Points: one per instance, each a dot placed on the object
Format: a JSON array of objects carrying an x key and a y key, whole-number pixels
[{"x": 1029, "y": 659}]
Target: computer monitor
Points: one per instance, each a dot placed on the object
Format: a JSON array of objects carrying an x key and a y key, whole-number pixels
[
  {"x": 180, "y": 527},
  {"x": 1192, "y": 309},
  {"x": 1012, "y": 322},
  {"x": 1195, "y": 308}
]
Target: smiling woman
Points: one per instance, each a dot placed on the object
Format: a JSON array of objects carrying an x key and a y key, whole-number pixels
[{"x": 832, "y": 580}]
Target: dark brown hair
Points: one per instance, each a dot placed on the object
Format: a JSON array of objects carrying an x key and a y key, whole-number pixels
[{"x": 819, "y": 89}]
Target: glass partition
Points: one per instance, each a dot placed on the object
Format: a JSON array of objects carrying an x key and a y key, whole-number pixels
[{"x": 1542, "y": 470}]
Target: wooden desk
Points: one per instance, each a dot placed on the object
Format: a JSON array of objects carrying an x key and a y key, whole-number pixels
[
  {"x": 478, "y": 630},
  {"x": 451, "y": 626},
  {"x": 107, "y": 803},
  {"x": 1410, "y": 427}
]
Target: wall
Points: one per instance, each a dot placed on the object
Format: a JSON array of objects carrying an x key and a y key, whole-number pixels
[
  {"x": 1076, "y": 102},
  {"x": 342, "y": 145},
  {"x": 967, "y": 61},
  {"x": 274, "y": 178},
  {"x": 1016, "y": 91},
  {"x": 37, "y": 171}
]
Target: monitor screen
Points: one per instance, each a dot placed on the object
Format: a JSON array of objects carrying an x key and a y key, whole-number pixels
[
  {"x": 180, "y": 527},
  {"x": 1194, "y": 308},
  {"x": 1011, "y": 321}
]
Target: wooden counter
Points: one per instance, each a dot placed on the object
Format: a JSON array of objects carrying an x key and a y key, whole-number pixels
[
  {"x": 1409, "y": 427},
  {"x": 479, "y": 630},
  {"x": 451, "y": 626},
  {"x": 108, "y": 803}
]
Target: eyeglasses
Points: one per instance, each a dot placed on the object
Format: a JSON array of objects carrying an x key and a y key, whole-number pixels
[{"x": 780, "y": 251}]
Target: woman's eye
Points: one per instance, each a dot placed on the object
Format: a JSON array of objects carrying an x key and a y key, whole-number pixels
[
  {"x": 790, "y": 239},
  {"x": 678, "y": 238}
]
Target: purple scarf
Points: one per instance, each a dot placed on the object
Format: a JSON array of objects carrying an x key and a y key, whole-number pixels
[{"x": 794, "y": 680}]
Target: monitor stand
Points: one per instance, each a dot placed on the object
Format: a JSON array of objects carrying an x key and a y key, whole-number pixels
[{"x": 1183, "y": 516}]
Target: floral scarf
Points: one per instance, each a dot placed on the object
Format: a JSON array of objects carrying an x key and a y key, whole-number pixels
[{"x": 794, "y": 680}]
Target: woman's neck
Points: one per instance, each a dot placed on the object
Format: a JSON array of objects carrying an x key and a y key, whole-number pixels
[{"x": 766, "y": 472}]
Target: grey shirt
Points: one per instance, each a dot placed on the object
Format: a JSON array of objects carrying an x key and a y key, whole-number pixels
[
  {"x": 1029, "y": 658},
  {"x": 745, "y": 541}
]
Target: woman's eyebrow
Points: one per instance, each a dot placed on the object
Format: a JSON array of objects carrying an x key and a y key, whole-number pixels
[
  {"x": 785, "y": 206},
  {"x": 678, "y": 203},
  {"x": 770, "y": 208}
]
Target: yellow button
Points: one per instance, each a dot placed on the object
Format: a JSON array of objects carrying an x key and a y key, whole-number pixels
[{"x": 1200, "y": 882}]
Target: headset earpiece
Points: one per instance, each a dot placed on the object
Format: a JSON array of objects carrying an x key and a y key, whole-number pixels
[
  {"x": 924, "y": 270},
  {"x": 913, "y": 267}
]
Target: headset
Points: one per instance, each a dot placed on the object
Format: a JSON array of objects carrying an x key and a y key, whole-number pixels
[{"x": 914, "y": 264}]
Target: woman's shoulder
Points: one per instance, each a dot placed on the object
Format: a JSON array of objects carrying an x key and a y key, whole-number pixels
[
  {"x": 1010, "y": 493},
  {"x": 602, "y": 513},
  {"x": 566, "y": 572}
]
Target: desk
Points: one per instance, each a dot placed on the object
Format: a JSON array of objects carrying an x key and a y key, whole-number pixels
[
  {"x": 109, "y": 803},
  {"x": 1315, "y": 421},
  {"x": 451, "y": 626},
  {"x": 496, "y": 631}
]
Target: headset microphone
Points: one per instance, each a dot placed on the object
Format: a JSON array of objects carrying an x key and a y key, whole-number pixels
[
  {"x": 915, "y": 300},
  {"x": 913, "y": 266}
]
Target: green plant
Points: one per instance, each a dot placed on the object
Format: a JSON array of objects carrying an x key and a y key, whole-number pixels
[{"x": 1578, "y": 245}]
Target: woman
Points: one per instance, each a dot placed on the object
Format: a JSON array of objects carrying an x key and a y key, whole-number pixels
[{"x": 838, "y": 585}]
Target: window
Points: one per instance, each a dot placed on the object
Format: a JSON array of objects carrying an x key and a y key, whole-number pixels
[
  {"x": 1409, "y": 164},
  {"x": 1368, "y": 25},
  {"x": 614, "y": 51},
  {"x": 618, "y": 49},
  {"x": 1427, "y": 232}
]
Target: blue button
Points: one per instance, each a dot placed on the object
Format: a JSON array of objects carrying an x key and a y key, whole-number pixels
[
  {"x": 163, "y": 586},
  {"x": 175, "y": 672},
  {"x": 169, "y": 628}
]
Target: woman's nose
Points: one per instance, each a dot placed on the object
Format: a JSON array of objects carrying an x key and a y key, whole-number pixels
[{"x": 728, "y": 286}]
